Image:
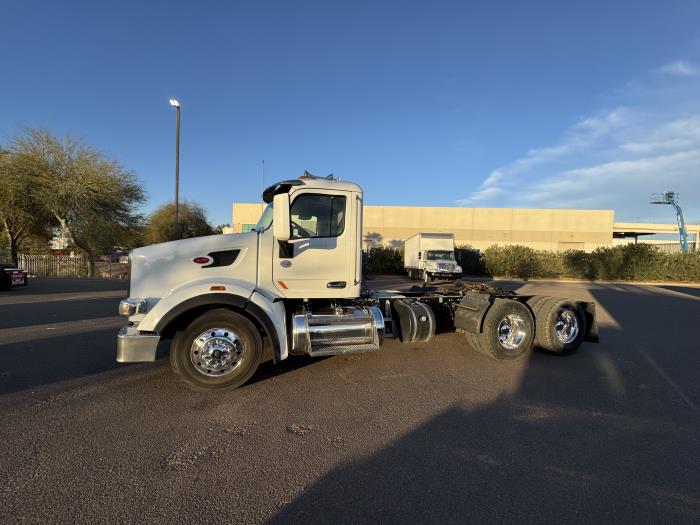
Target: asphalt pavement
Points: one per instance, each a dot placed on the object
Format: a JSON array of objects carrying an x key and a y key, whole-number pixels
[{"x": 415, "y": 433}]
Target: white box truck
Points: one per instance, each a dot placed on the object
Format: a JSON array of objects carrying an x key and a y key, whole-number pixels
[
  {"x": 295, "y": 281},
  {"x": 431, "y": 256}
]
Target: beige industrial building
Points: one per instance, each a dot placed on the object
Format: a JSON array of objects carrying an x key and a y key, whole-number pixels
[{"x": 480, "y": 228}]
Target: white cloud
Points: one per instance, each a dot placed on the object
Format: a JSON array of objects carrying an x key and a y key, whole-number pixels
[
  {"x": 481, "y": 195},
  {"x": 666, "y": 158},
  {"x": 493, "y": 178},
  {"x": 625, "y": 186},
  {"x": 679, "y": 68},
  {"x": 676, "y": 135},
  {"x": 614, "y": 159},
  {"x": 634, "y": 162},
  {"x": 583, "y": 134}
]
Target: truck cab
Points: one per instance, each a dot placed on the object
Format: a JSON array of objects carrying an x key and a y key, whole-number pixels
[
  {"x": 310, "y": 236},
  {"x": 304, "y": 253}
]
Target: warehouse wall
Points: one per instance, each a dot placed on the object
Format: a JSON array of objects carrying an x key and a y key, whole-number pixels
[{"x": 478, "y": 227}]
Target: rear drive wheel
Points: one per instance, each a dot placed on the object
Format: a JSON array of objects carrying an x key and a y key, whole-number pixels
[
  {"x": 219, "y": 349},
  {"x": 474, "y": 341},
  {"x": 535, "y": 302},
  {"x": 508, "y": 330},
  {"x": 561, "y": 326}
]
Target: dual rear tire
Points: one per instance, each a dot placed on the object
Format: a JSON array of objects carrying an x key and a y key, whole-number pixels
[
  {"x": 560, "y": 326},
  {"x": 508, "y": 331},
  {"x": 511, "y": 329}
]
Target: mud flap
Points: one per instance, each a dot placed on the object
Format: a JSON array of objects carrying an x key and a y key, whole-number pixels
[
  {"x": 591, "y": 322},
  {"x": 470, "y": 311}
]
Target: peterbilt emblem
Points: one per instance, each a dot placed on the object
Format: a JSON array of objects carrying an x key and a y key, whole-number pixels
[
  {"x": 202, "y": 260},
  {"x": 285, "y": 263}
]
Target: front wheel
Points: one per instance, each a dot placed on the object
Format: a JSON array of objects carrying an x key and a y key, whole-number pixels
[{"x": 219, "y": 349}]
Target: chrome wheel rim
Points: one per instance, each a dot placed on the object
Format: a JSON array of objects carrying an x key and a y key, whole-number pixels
[
  {"x": 566, "y": 326},
  {"x": 511, "y": 331},
  {"x": 217, "y": 352}
]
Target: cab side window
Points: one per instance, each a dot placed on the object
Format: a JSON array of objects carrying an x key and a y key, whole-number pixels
[{"x": 317, "y": 216}]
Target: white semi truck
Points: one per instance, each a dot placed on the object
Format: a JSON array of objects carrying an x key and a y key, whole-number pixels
[
  {"x": 430, "y": 256},
  {"x": 296, "y": 281}
]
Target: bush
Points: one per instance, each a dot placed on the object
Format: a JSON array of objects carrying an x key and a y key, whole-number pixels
[
  {"x": 384, "y": 260},
  {"x": 629, "y": 262},
  {"x": 512, "y": 261},
  {"x": 470, "y": 260}
]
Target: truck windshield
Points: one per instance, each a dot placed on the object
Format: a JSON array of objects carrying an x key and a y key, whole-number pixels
[
  {"x": 265, "y": 219},
  {"x": 440, "y": 255}
]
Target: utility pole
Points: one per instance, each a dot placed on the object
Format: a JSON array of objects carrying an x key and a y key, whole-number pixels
[{"x": 174, "y": 103}]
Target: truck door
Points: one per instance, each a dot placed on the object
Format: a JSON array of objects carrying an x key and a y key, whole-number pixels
[{"x": 318, "y": 260}]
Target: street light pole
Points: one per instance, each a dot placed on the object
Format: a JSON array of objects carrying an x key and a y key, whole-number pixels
[{"x": 174, "y": 103}]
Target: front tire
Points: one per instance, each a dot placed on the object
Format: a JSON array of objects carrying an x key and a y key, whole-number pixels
[{"x": 219, "y": 349}]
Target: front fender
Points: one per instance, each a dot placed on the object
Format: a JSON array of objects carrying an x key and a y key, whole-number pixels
[
  {"x": 155, "y": 315},
  {"x": 277, "y": 315}
]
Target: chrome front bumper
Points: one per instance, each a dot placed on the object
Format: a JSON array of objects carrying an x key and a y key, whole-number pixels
[{"x": 134, "y": 347}]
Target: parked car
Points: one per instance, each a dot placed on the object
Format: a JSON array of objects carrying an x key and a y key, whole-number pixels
[{"x": 12, "y": 276}]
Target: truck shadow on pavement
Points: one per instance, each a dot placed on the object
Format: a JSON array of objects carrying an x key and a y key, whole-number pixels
[
  {"x": 688, "y": 290},
  {"x": 32, "y": 314},
  {"x": 41, "y": 361},
  {"x": 606, "y": 434},
  {"x": 62, "y": 285},
  {"x": 37, "y": 362}
]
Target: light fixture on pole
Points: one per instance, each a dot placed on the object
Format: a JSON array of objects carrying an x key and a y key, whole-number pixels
[{"x": 174, "y": 103}]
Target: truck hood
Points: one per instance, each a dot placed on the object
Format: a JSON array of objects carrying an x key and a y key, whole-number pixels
[{"x": 158, "y": 269}]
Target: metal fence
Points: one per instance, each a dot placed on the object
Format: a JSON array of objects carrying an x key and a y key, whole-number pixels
[
  {"x": 111, "y": 270},
  {"x": 53, "y": 265},
  {"x": 672, "y": 247},
  {"x": 66, "y": 266}
]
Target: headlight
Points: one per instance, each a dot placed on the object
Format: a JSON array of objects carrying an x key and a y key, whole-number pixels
[
  {"x": 132, "y": 306},
  {"x": 458, "y": 269}
]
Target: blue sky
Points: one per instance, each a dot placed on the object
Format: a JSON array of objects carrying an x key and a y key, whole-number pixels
[{"x": 529, "y": 104}]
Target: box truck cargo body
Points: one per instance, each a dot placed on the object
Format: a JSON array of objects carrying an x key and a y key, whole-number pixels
[{"x": 430, "y": 256}]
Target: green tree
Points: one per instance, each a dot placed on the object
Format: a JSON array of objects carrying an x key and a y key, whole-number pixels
[
  {"x": 161, "y": 223},
  {"x": 92, "y": 198},
  {"x": 21, "y": 212}
]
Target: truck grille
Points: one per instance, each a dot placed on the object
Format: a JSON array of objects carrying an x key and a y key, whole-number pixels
[{"x": 445, "y": 267}]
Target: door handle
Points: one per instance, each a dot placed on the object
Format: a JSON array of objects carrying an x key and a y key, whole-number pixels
[{"x": 336, "y": 284}]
